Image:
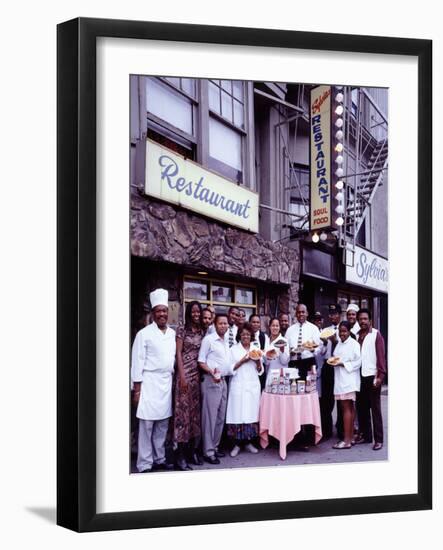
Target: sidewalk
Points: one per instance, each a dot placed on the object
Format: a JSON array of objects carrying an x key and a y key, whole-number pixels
[{"x": 321, "y": 454}]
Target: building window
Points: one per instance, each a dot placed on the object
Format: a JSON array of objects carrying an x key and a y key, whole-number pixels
[
  {"x": 299, "y": 196},
  {"x": 216, "y": 136},
  {"x": 220, "y": 294},
  {"x": 169, "y": 105},
  {"x": 346, "y": 298}
]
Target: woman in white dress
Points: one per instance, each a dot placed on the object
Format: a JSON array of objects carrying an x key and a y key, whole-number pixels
[
  {"x": 242, "y": 412},
  {"x": 276, "y": 356},
  {"x": 346, "y": 380}
]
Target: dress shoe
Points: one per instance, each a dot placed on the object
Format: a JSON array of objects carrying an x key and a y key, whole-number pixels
[
  {"x": 360, "y": 440},
  {"x": 219, "y": 454},
  {"x": 377, "y": 446},
  {"x": 195, "y": 459},
  {"x": 212, "y": 459},
  {"x": 182, "y": 465},
  {"x": 163, "y": 467},
  {"x": 147, "y": 471}
]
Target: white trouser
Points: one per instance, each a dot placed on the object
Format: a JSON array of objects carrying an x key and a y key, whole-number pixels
[{"x": 151, "y": 443}]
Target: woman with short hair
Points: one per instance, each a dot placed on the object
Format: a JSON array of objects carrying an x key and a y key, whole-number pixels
[{"x": 242, "y": 413}]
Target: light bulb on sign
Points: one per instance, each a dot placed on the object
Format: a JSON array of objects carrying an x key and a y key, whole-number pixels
[
  {"x": 339, "y": 172},
  {"x": 339, "y": 110},
  {"x": 339, "y": 197},
  {"x": 339, "y": 135},
  {"x": 339, "y": 122},
  {"x": 339, "y": 97},
  {"x": 339, "y": 87},
  {"x": 339, "y": 160},
  {"x": 339, "y": 147},
  {"x": 315, "y": 238},
  {"x": 339, "y": 221},
  {"x": 323, "y": 236},
  {"x": 340, "y": 184},
  {"x": 339, "y": 209}
]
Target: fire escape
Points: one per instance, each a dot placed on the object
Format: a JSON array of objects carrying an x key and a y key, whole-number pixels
[
  {"x": 366, "y": 163},
  {"x": 366, "y": 154}
]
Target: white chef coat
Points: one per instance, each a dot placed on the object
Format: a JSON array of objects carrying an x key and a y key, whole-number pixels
[
  {"x": 309, "y": 332},
  {"x": 278, "y": 362},
  {"x": 244, "y": 389},
  {"x": 355, "y": 328},
  {"x": 214, "y": 351},
  {"x": 347, "y": 378},
  {"x": 153, "y": 357}
]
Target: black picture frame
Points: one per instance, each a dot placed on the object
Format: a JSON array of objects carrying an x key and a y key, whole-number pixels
[{"x": 76, "y": 265}]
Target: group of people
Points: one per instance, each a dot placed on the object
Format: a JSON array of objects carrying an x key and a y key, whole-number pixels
[{"x": 207, "y": 379}]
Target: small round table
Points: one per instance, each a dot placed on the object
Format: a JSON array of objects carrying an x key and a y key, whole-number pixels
[{"x": 282, "y": 416}]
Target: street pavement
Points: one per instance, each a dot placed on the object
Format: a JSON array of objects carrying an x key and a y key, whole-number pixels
[{"x": 323, "y": 453}]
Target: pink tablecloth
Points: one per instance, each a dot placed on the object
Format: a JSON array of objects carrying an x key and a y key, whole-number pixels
[{"x": 283, "y": 415}]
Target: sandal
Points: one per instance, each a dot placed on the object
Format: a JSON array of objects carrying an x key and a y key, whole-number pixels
[{"x": 341, "y": 445}]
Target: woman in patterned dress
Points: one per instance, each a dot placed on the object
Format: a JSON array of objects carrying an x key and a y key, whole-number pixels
[{"x": 187, "y": 428}]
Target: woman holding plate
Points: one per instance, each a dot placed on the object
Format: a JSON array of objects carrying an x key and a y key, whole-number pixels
[
  {"x": 277, "y": 352},
  {"x": 242, "y": 413},
  {"x": 346, "y": 362}
]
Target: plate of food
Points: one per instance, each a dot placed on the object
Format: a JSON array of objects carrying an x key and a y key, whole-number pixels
[
  {"x": 280, "y": 342},
  {"x": 271, "y": 353},
  {"x": 333, "y": 361},
  {"x": 327, "y": 333},
  {"x": 309, "y": 345},
  {"x": 255, "y": 354}
]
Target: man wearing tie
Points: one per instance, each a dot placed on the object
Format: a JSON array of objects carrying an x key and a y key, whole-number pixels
[
  {"x": 303, "y": 359},
  {"x": 231, "y": 333}
]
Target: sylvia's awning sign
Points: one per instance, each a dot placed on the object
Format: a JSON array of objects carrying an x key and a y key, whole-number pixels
[
  {"x": 369, "y": 270},
  {"x": 177, "y": 180}
]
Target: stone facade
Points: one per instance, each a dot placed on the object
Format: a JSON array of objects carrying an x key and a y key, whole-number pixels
[{"x": 163, "y": 233}]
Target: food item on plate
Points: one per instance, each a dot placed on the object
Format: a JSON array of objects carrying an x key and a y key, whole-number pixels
[
  {"x": 333, "y": 361},
  {"x": 280, "y": 342},
  {"x": 327, "y": 333},
  {"x": 309, "y": 345},
  {"x": 255, "y": 354},
  {"x": 271, "y": 353}
]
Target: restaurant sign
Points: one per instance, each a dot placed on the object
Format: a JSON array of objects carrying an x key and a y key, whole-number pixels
[
  {"x": 320, "y": 149},
  {"x": 172, "y": 178},
  {"x": 369, "y": 270}
]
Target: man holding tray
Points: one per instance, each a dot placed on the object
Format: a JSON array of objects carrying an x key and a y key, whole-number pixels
[{"x": 304, "y": 343}]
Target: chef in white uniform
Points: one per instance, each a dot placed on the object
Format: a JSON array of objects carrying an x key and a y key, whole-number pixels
[
  {"x": 153, "y": 356},
  {"x": 351, "y": 316}
]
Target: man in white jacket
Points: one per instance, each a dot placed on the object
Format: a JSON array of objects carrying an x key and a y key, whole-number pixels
[{"x": 152, "y": 368}]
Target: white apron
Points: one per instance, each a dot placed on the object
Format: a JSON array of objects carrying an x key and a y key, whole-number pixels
[
  {"x": 153, "y": 364},
  {"x": 244, "y": 390}
]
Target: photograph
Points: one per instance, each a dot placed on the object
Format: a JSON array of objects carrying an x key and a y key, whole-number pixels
[{"x": 259, "y": 274}]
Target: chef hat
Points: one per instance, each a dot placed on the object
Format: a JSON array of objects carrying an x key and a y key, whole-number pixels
[
  {"x": 352, "y": 307},
  {"x": 159, "y": 297}
]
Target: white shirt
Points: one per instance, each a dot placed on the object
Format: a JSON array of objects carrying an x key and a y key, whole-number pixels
[
  {"x": 214, "y": 351},
  {"x": 153, "y": 357},
  {"x": 309, "y": 332},
  {"x": 244, "y": 389},
  {"x": 347, "y": 378},
  {"x": 281, "y": 360},
  {"x": 355, "y": 328}
]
